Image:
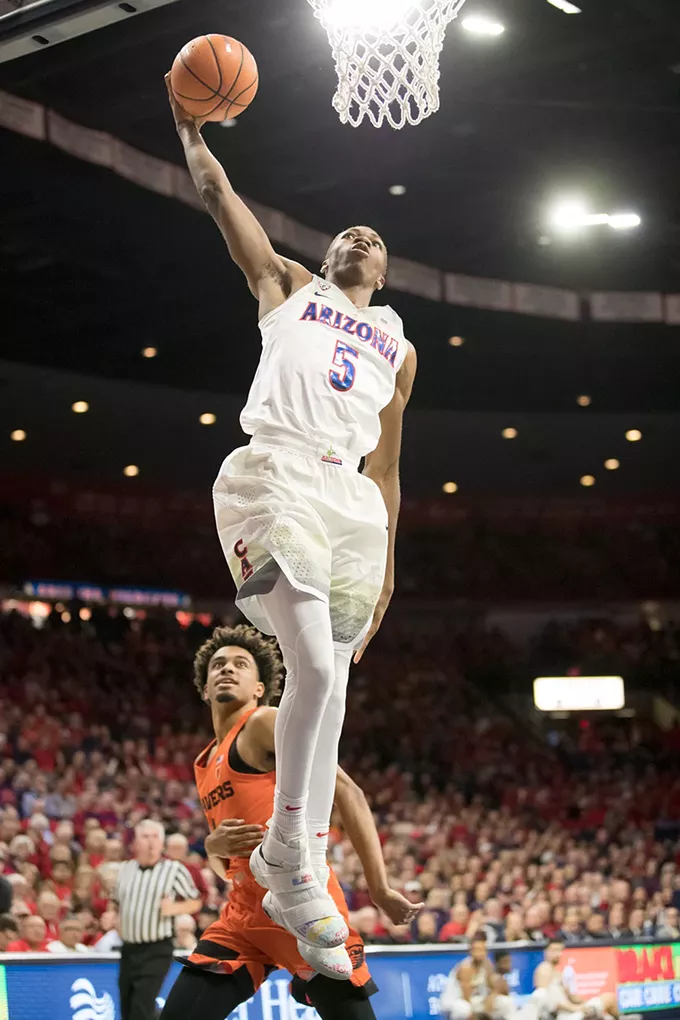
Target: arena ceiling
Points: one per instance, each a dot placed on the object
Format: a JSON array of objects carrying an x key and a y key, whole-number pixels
[{"x": 94, "y": 268}]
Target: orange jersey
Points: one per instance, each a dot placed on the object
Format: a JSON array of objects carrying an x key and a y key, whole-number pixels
[
  {"x": 226, "y": 793},
  {"x": 249, "y": 936}
]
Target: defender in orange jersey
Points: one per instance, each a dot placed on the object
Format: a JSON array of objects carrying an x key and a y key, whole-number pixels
[{"x": 238, "y": 672}]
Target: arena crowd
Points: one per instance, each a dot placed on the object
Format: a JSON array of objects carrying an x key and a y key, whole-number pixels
[
  {"x": 451, "y": 549},
  {"x": 519, "y": 833}
]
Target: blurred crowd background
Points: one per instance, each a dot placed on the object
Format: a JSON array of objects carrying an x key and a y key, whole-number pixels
[{"x": 499, "y": 821}]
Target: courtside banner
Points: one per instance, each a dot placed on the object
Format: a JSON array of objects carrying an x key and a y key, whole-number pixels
[
  {"x": 411, "y": 980},
  {"x": 648, "y": 977},
  {"x": 64, "y": 988}
]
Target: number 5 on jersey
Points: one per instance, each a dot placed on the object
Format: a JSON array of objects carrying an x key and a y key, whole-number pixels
[{"x": 343, "y": 380}]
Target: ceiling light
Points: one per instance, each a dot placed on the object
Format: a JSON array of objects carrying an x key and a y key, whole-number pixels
[
  {"x": 131, "y": 471},
  {"x": 633, "y": 435},
  {"x": 85, "y": 613},
  {"x": 565, "y": 6},
  {"x": 398, "y": 189},
  {"x": 509, "y": 433},
  {"x": 584, "y": 400},
  {"x": 587, "y": 481},
  {"x": 149, "y": 352},
  {"x": 456, "y": 341},
  {"x": 624, "y": 221},
  {"x": 569, "y": 214},
  {"x": 208, "y": 418},
  {"x": 612, "y": 464},
  {"x": 482, "y": 26},
  {"x": 229, "y": 122},
  {"x": 66, "y": 617},
  {"x": 18, "y": 435},
  {"x": 80, "y": 407},
  {"x": 449, "y": 488}
]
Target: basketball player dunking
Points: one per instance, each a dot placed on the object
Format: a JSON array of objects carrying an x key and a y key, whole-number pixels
[
  {"x": 237, "y": 672},
  {"x": 309, "y": 540}
]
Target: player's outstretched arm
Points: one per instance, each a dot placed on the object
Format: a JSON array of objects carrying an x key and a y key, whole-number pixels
[
  {"x": 359, "y": 824},
  {"x": 382, "y": 465},
  {"x": 271, "y": 278}
]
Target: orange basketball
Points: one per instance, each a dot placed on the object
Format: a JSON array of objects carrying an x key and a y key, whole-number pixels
[{"x": 214, "y": 77}]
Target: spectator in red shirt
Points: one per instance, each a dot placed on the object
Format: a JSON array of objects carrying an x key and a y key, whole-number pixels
[
  {"x": 113, "y": 850},
  {"x": 181, "y": 768},
  {"x": 45, "y": 754},
  {"x": 21, "y": 850},
  {"x": 9, "y": 826},
  {"x": 21, "y": 890},
  {"x": 455, "y": 929},
  {"x": 64, "y": 836},
  {"x": 32, "y": 936},
  {"x": 177, "y": 848},
  {"x": 95, "y": 844},
  {"x": 50, "y": 908},
  {"x": 61, "y": 882}
]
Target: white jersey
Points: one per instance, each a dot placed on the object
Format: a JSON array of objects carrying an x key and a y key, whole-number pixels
[
  {"x": 479, "y": 980},
  {"x": 327, "y": 369}
]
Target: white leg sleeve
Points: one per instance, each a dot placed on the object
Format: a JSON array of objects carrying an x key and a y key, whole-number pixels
[
  {"x": 324, "y": 766},
  {"x": 303, "y": 629}
]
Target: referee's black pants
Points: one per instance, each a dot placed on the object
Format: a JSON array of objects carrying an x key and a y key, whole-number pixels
[{"x": 143, "y": 968}]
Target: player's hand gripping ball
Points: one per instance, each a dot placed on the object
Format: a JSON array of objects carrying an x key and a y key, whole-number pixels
[{"x": 214, "y": 77}]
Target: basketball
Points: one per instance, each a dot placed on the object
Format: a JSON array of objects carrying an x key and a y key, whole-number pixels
[{"x": 214, "y": 77}]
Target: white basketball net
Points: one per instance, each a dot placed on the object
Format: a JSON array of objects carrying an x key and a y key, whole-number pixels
[{"x": 386, "y": 56}]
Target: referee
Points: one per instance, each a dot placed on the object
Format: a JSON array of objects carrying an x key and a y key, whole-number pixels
[{"x": 149, "y": 892}]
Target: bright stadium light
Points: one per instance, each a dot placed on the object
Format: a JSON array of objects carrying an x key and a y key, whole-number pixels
[
  {"x": 579, "y": 693},
  {"x": 571, "y": 215},
  {"x": 565, "y": 6},
  {"x": 479, "y": 25},
  {"x": 624, "y": 221}
]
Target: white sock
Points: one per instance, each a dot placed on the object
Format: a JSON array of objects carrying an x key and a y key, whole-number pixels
[{"x": 290, "y": 816}]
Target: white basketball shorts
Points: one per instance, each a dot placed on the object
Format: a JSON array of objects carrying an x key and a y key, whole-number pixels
[{"x": 285, "y": 502}]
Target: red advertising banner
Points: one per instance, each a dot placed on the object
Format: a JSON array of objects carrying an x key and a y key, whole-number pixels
[{"x": 589, "y": 972}]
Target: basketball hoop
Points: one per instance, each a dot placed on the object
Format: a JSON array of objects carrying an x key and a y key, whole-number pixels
[{"x": 386, "y": 56}]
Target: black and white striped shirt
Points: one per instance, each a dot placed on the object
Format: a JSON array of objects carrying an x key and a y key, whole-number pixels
[{"x": 138, "y": 893}]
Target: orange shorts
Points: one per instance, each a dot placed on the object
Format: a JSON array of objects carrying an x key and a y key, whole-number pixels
[{"x": 244, "y": 936}]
